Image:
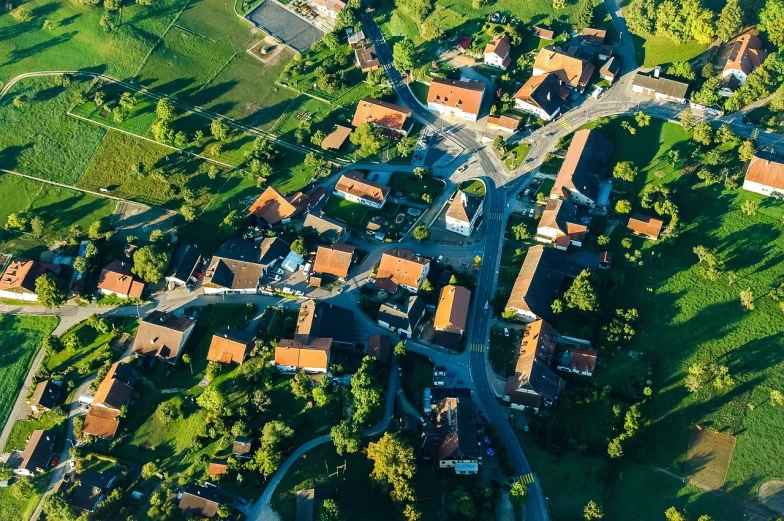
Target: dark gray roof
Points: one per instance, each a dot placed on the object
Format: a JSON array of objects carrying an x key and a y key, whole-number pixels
[
  {"x": 333, "y": 322},
  {"x": 238, "y": 335},
  {"x": 101, "y": 480},
  {"x": 184, "y": 262},
  {"x": 549, "y": 94},
  {"x": 38, "y": 451},
  {"x": 47, "y": 394},
  {"x": 402, "y": 316},
  {"x": 86, "y": 497},
  {"x": 672, "y": 88},
  {"x": 544, "y": 380},
  {"x": 457, "y": 420}
]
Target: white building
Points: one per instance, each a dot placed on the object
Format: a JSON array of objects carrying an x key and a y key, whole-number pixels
[
  {"x": 463, "y": 212},
  {"x": 765, "y": 176},
  {"x": 745, "y": 54},
  {"x": 497, "y": 51},
  {"x": 458, "y": 98},
  {"x": 543, "y": 96},
  {"x": 655, "y": 86},
  {"x": 352, "y": 186}
]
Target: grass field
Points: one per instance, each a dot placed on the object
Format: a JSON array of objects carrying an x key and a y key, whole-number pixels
[
  {"x": 12, "y": 509},
  {"x": 473, "y": 187},
  {"x": 19, "y": 343},
  {"x": 413, "y": 189},
  {"x": 708, "y": 457},
  {"x": 657, "y": 50},
  {"x": 352, "y": 214},
  {"x": 515, "y": 157}
]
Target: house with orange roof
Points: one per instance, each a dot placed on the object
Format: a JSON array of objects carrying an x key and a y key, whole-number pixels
[
  {"x": 311, "y": 357},
  {"x": 560, "y": 226},
  {"x": 329, "y": 8},
  {"x": 117, "y": 279},
  {"x": 388, "y": 116},
  {"x": 745, "y": 54},
  {"x": 463, "y": 213},
  {"x": 230, "y": 345},
  {"x": 114, "y": 392},
  {"x": 334, "y": 260},
  {"x": 497, "y": 51},
  {"x": 543, "y": 96},
  {"x": 401, "y": 268},
  {"x": 574, "y": 71},
  {"x": 580, "y": 361},
  {"x": 765, "y": 176},
  {"x": 451, "y": 316},
  {"x": 645, "y": 226},
  {"x": 274, "y": 208},
  {"x": 18, "y": 279},
  {"x": 352, "y": 186},
  {"x": 459, "y": 98}
]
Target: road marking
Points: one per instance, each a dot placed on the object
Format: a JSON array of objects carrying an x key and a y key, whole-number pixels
[
  {"x": 479, "y": 348},
  {"x": 565, "y": 124},
  {"x": 527, "y": 479},
  {"x": 526, "y": 168}
]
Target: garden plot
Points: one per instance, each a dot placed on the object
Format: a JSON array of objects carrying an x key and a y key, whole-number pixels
[{"x": 708, "y": 457}]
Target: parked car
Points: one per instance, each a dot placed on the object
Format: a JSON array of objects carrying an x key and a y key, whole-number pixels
[
  {"x": 506, "y": 331},
  {"x": 531, "y": 212},
  {"x": 440, "y": 259},
  {"x": 463, "y": 167},
  {"x": 438, "y": 383},
  {"x": 439, "y": 373},
  {"x": 527, "y": 192}
]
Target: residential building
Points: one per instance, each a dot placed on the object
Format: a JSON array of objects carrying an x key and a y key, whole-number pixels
[
  {"x": 292, "y": 261},
  {"x": 382, "y": 114},
  {"x": 402, "y": 319},
  {"x": 274, "y": 208},
  {"x": 543, "y": 33},
  {"x": 117, "y": 279},
  {"x": 334, "y": 260},
  {"x": 578, "y": 361},
  {"x": 46, "y": 396},
  {"x": 37, "y": 453},
  {"x": 401, "y": 268},
  {"x": 230, "y": 345},
  {"x": 573, "y": 71},
  {"x": 653, "y": 85},
  {"x": 463, "y": 42},
  {"x": 92, "y": 489},
  {"x": 645, "y": 226},
  {"x": 335, "y": 139},
  {"x": 584, "y": 170},
  {"x": 560, "y": 226},
  {"x": 455, "y": 421},
  {"x": 184, "y": 264},
  {"x": 463, "y": 213},
  {"x": 292, "y": 356},
  {"x": 765, "y": 176},
  {"x": 458, "y": 98},
  {"x": 329, "y": 8},
  {"x": 329, "y": 229},
  {"x": 319, "y": 320},
  {"x": 239, "y": 264},
  {"x": 352, "y": 186},
  {"x": 200, "y": 501},
  {"x": 242, "y": 447},
  {"x": 538, "y": 283},
  {"x": 451, "y": 316},
  {"x": 610, "y": 69},
  {"x": 114, "y": 393},
  {"x": 380, "y": 347},
  {"x": 308, "y": 504},
  {"x": 594, "y": 36},
  {"x": 506, "y": 122},
  {"x": 365, "y": 56},
  {"x": 543, "y": 96},
  {"x": 497, "y": 51},
  {"x": 162, "y": 335},
  {"x": 533, "y": 384},
  {"x": 217, "y": 467},
  {"x": 745, "y": 54},
  {"x": 432, "y": 396},
  {"x": 18, "y": 280}
]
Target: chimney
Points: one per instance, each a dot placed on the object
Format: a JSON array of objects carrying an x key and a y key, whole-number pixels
[{"x": 656, "y": 71}]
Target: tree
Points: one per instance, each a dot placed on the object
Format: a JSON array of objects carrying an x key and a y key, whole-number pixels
[
  {"x": 16, "y": 221},
  {"x": 730, "y": 20},
  {"x": 346, "y": 436},
  {"x": 625, "y": 170},
  {"x": 771, "y": 20},
  {"x": 323, "y": 394},
  {"x": 682, "y": 69},
  {"x": 404, "y": 55},
  {"x": 521, "y": 232},
  {"x": 776, "y": 398},
  {"x": 703, "y": 134},
  {"x": 167, "y": 412},
  {"x": 477, "y": 263},
  {"x": 642, "y": 119},
  {"x": 581, "y": 294},
  {"x": 559, "y": 4},
  {"x": 593, "y": 511},
  {"x": 188, "y": 212},
  {"x": 6, "y": 472},
  {"x": 50, "y": 290},
  {"x": 211, "y": 399},
  {"x": 21, "y": 14},
  {"x": 421, "y": 233},
  {"x": 410, "y": 512},
  {"x": 499, "y": 145},
  {"x": 518, "y": 494},
  {"x": 509, "y": 314},
  {"x": 687, "y": 118},
  {"x": 749, "y": 207},
  {"x": 747, "y": 299},
  {"x": 301, "y": 385},
  {"x": 58, "y": 508},
  {"x": 603, "y": 240},
  {"x": 400, "y": 350},
  {"x": 615, "y": 449},
  {"x": 640, "y": 15},
  {"x": 703, "y": 26},
  {"x": 584, "y": 14},
  {"x": 267, "y": 459},
  {"x": 746, "y": 150},
  {"x": 365, "y": 389},
  {"x": 329, "y": 509},
  {"x": 219, "y": 129},
  {"x": 623, "y": 206},
  {"x": 78, "y": 426},
  {"x": 165, "y": 110},
  {"x": 345, "y": 18},
  {"x": 368, "y": 138},
  {"x": 394, "y": 463},
  {"x": 186, "y": 359},
  {"x": 709, "y": 95},
  {"x": 557, "y": 306},
  {"x": 462, "y": 504},
  {"x": 37, "y": 226},
  {"x": 298, "y": 246},
  {"x": 331, "y": 41},
  {"x": 672, "y": 514},
  {"x": 149, "y": 263},
  {"x": 406, "y": 146}
]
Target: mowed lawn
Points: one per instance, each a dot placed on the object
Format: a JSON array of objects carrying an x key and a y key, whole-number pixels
[
  {"x": 20, "y": 341},
  {"x": 657, "y": 50}
]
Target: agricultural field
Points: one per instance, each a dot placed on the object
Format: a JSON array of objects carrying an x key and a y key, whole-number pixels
[{"x": 21, "y": 339}]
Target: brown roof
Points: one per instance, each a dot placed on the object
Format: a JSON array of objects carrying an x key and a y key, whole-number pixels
[
  {"x": 200, "y": 501},
  {"x": 336, "y": 138},
  {"x": 545, "y": 91},
  {"x": 217, "y": 467},
  {"x": 456, "y": 420},
  {"x": 230, "y": 345},
  {"x": 161, "y": 334},
  {"x": 452, "y": 310},
  {"x": 463, "y": 41},
  {"x": 46, "y": 394},
  {"x": 562, "y": 215},
  {"x": 326, "y": 227},
  {"x": 239, "y": 264},
  {"x": 532, "y": 368},
  {"x": 596, "y": 36},
  {"x": 611, "y": 66},
  {"x": 354, "y": 183},
  {"x": 544, "y": 33},
  {"x": 273, "y": 207},
  {"x": 115, "y": 389},
  {"x": 242, "y": 446},
  {"x": 766, "y": 172},
  {"x": 538, "y": 282},
  {"x": 464, "y": 95},
  {"x": 21, "y": 274},
  {"x": 583, "y": 360},
  {"x": 584, "y": 166},
  {"x": 500, "y": 46},
  {"x": 366, "y": 56},
  {"x": 400, "y": 267},
  {"x": 381, "y": 113},
  {"x": 745, "y": 54},
  {"x": 509, "y": 121},
  {"x": 101, "y": 422},
  {"x": 464, "y": 206},
  {"x": 569, "y": 69},
  {"x": 292, "y": 353},
  {"x": 38, "y": 451},
  {"x": 380, "y": 346},
  {"x": 334, "y": 260},
  {"x": 117, "y": 277},
  {"x": 649, "y": 227}
]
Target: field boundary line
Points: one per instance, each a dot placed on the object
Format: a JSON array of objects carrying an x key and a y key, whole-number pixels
[
  {"x": 69, "y": 187},
  {"x": 221, "y": 69},
  {"x": 194, "y": 33},
  {"x": 109, "y": 128},
  {"x": 160, "y": 39}
]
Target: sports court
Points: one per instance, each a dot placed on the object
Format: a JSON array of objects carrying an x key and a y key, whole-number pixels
[{"x": 285, "y": 26}]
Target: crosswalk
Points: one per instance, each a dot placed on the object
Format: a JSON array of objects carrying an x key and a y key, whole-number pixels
[
  {"x": 496, "y": 216},
  {"x": 526, "y": 168},
  {"x": 526, "y": 479},
  {"x": 479, "y": 348},
  {"x": 565, "y": 124}
]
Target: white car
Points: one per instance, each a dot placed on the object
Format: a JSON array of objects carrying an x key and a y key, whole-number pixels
[
  {"x": 439, "y": 373},
  {"x": 438, "y": 383},
  {"x": 531, "y": 213},
  {"x": 506, "y": 331},
  {"x": 440, "y": 259}
]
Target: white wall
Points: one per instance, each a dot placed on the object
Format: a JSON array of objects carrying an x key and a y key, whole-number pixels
[
  {"x": 536, "y": 111},
  {"x": 28, "y": 297},
  {"x": 493, "y": 59},
  {"x": 758, "y": 188},
  {"x": 360, "y": 200},
  {"x": 449, "y": 111}
]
